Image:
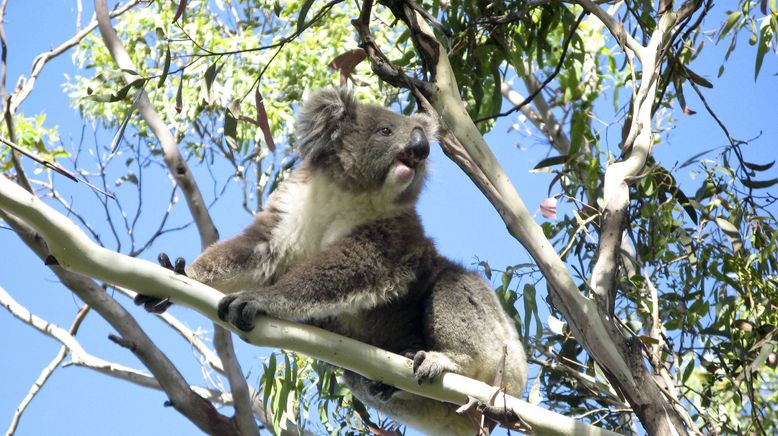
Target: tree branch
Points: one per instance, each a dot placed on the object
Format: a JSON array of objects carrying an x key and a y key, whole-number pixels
[
  {"x": 616, "y": 28},
  {"x": 197, "y": 208},
  {"x": 173, "y": 158},
  {"x": 75, "y": 252},
  {"x": 195, "y": 408},
  {"x": 24, "y": 315},
  {"x": 602, "y": 338}
]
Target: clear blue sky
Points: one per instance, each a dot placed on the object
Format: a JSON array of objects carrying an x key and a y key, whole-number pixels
[{"x": 81, "y": 402}]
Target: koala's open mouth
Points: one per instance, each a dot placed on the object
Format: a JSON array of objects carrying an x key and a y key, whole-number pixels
[
  {"x": 408, "y": 161},
  {"x": 404, "y": 169}
]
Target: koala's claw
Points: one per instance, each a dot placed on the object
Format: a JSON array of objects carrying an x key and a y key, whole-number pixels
[
  {"x": 239, "y": 310},
  {"x": 152, "y": 304},
  {"x": 178, "y": 268},
  {"x": 156, "y": 304},
  {"x": 381, "y": 391},
  {"x": 426, "y": 366}
]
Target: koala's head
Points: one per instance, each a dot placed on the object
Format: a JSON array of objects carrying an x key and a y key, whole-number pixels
[{"x": 365, "y": 148}]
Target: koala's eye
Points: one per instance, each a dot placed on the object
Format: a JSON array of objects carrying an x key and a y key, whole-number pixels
[{"x": 385, "y": 131}]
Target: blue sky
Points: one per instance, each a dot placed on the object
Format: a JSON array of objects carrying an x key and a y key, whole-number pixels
[{"x": 81, "y": 402}]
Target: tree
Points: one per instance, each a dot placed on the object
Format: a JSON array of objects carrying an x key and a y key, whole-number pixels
[{"x": 661, "y": 302}]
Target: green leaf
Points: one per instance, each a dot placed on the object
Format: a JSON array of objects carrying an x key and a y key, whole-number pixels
[
  {"x": 728, "y": 24},
  {"x": 165, "y": 68},
  {"x": 551, "y": 161},
  {"x": 119, "y": 95},
  {"x": 696, "y": 78},
  {"x": 230, "y": 129},
  {"x": 120, "y": 132},
  {"x": 531, "y": 311},
  {"x": 764, "y": 47},
  {"x": 687, "y": 372},
  {"x": 210, "y": 76},
  {"x": 732, "y": 233},
  {"x": 180, "y": 95}
]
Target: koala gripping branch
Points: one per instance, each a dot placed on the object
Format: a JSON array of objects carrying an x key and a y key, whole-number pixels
[{"x": 76, "y": 252}]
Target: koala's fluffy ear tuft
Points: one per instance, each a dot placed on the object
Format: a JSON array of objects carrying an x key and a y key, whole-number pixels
[{"x": 322, "y": 119}]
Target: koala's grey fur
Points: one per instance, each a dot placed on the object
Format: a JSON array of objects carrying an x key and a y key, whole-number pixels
[{"x": 340, "y": 246}]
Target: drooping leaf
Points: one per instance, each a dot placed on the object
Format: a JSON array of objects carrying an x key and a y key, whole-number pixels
[
  {"x": 683, "y": 200},
  {"x": 696, "y": 78},
  {"x": 230, "y": 129},
  {"x": 120, "y": 132},
  {"x": 346, "y": 62},
  {"x": 210, "y": 75},
  {"x": 264, "y": 124},
  {"x": 758, "y": 167},
  {"x": 301, "y": 16},
  {"x": 758, "y": 184},
  {"x": 762, "y": 49},
  {"x": 180, "y": 95},
  {"x": 165, "y": 68},
  {"x": 179, "y": 10}
]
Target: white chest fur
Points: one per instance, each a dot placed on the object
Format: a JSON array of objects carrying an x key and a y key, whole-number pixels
[{"x": 315, "y": 212}]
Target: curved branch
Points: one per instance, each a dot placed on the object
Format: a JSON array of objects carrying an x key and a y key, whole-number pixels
[
  {"x": 619, "y": 355},
  {"x": 75, "y": 252},
  {"x": 173, "y": 158},
  {"x": 616, "y": 28},
  {"x": 197, "y": 207},
  {"x": 194, "y": 407}
]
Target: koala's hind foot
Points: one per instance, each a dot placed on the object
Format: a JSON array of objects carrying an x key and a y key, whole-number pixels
[
  {"x": 156, "y": 304},
  {"x": 240, "y": 309},
  {"x": 427, "y": 365},
  {"x": 380, "y": 390}
]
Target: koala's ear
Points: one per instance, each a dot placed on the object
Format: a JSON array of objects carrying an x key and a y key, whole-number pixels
[{"x": 322, "y": 120}]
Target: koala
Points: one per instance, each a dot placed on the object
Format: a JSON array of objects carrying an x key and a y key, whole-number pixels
[{"x": 339, "y": 245}]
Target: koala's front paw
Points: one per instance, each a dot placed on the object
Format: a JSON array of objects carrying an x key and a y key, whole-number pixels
[
  {"x": 156, "y": 304},
  {"x": 427, "y": 365},
  {"x": 240, "y": 309}
]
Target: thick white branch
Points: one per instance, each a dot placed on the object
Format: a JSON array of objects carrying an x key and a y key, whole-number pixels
[
  {"x": 599, "y": 335},
  {"x": 74, "y": 251}
]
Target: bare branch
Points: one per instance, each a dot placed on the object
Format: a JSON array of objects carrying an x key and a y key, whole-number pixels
[
  {"x": 197, "y": 206},
  {"x": 23, "y": 314},
  {"x": 79, "y": 357},
  {"x": 616, "y": 28},
  {"x": 25, "y": 87},
  {"x": 199, "y": 411},
  {"x": 74, "y": 251},
  {"x": 542, "y": 117},
  {"x": 173, "y": 158}
]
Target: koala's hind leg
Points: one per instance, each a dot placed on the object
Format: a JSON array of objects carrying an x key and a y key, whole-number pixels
[
  {"x": 466, "y": 331},
  {"x": 424, "y": 414}
]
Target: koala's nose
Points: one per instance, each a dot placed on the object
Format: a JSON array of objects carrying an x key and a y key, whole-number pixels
[{"x": 418, "y": 146}]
